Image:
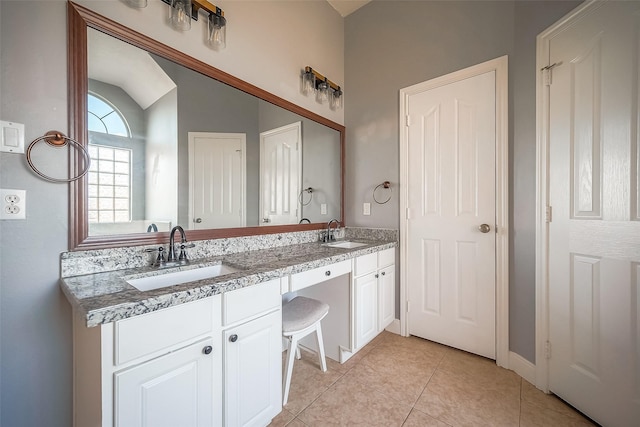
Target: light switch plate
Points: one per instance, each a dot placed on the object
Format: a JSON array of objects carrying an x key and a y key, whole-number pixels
[
  {"x": 366, "y": 209},
  {"x": 323, "y": 208},
  {"x": 11, "y": 137},
  {"x": 14, "y": 204}
]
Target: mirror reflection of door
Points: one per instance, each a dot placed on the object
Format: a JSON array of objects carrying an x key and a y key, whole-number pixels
[
  {"x": 217, "y": 189},
  {"x": 280, "y": 174}
]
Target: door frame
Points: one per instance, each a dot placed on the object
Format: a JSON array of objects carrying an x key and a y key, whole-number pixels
[
  {"x": 500, "y": 66},
  {"x": 543, "y": 42},
  {"x": 242, "y": 137}
]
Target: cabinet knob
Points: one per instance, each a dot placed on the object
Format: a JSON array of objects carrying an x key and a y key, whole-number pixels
[
  {"x": 327, "y": 273},
  {"x": 382, "y": 273},
  {"x": 377, "y": 275},
  {"x": 207, "y": 350},
  {"x": 233, "y": 338}
]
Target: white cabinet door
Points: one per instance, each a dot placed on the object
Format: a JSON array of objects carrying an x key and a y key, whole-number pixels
[
  {"x": 253, "y": 371},
  {"x": 366, "y": 298},
  {"x": 386, "y": 296},
  {"x": 173, "y": 390}
]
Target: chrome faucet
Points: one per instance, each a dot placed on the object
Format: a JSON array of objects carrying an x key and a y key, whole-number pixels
[
  {"x": 329, "y": 234},
  {"x": 172, "y": 252}
]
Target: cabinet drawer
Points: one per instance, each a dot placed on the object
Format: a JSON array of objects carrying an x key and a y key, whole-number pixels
[
  {"x": 386, "y": 257},
  {"x": 365, "y": 264},
  {"x": 250, "y": 301},
  {"x": 320, "y": 274},
  {"x": 149, "y": 333}
]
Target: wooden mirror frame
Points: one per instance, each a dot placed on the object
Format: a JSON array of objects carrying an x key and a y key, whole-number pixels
[{"x": 79, "y": 19}]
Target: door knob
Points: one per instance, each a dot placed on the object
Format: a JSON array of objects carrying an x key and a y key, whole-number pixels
[{"x": 484, "y": 228}]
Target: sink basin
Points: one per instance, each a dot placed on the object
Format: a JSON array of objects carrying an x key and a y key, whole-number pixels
[
  {"x": 169, "y": 279},
  {"x": 346, "y": 244}
]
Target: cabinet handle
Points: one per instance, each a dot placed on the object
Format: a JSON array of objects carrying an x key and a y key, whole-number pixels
[
  {"x": 382, "y": 273},
  {"x": 207, "y": 350},
  {"x": 233, "y": 338},
  {"x": 327, "y": 273},
  {"x": 377, "y": 276}
]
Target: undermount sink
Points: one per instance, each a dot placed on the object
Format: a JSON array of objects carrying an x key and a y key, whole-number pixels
[
  {"x": 169, "y": 279},
  {"x": 346, "y": 244}
]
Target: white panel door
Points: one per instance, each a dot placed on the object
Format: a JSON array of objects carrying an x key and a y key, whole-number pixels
[
  {"x": 217, "y": 180},
  {"x": 451, "y": 192},
  {"x": 253, "y": 372},
  {"x": 594, "y": 233},
  {"x": 280, "y": 174},
  {"x": 172, "y": 390}
]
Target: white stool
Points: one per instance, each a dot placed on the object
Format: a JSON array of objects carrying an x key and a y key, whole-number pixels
[{"x": 300, "y": 317}]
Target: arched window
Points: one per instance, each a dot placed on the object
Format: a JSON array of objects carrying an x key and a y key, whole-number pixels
[
  {"x": 110, "y": 171},
  {"x": 105, "y": 118}
]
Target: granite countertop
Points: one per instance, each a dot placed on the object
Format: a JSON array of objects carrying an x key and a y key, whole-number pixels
[{"x": 106, "y": 297}]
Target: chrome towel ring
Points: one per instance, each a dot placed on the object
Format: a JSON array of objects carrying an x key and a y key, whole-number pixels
[
  {"x": 58, "y": 140},
  {"x": 301, "y": 196},
  {"x": 384, "y": 185}
]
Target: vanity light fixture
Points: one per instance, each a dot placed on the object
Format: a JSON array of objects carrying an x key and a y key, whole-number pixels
[
  {"x": 183, "y": 11},
  {"x": 136, "y": 4},
  {"x": 324, "y": 89}
]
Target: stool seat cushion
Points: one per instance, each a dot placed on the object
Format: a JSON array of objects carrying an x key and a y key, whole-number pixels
[{"x": 302, "y": 312}]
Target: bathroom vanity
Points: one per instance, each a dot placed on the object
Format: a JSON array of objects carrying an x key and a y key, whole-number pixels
[{"x": 209, "y": 351}]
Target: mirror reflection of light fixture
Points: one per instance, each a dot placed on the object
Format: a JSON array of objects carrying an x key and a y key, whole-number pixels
[
  {"x": 183, "y": 11},
  {"x": 325, "y": 90}
]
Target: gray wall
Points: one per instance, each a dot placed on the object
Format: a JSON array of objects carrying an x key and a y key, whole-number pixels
[
  {"x": 35, "y": 318},
  {"x": 392, "y": 45}
]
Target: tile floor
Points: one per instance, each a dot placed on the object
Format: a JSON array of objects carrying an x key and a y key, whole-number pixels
[{"x": 397, "y": 381}]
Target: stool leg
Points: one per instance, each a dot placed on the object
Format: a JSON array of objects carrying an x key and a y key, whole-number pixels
[
  {"x": 323, "y": 362},
  {"x": 293, "y": 346},
  {"x": 298, "y": 355}
]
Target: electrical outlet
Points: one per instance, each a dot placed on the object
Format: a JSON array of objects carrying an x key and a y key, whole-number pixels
[{"x": 13, "y": 204}]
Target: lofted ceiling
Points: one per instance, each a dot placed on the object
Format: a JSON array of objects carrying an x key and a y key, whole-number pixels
[{"x": 345, "y": 7}]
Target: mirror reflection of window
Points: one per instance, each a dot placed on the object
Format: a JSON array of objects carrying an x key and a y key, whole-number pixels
[{"x": 110, "y": 171}]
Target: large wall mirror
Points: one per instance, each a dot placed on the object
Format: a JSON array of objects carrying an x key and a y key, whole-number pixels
[{"x": 174, "y": 141}]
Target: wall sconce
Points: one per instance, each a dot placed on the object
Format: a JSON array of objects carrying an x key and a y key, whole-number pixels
[
  {"x": 183, "y": 11},
  {"x": 324, "y": 89}
]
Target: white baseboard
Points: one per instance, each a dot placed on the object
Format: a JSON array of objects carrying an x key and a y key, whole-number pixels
[
  {"x": 522, "y": 367},
  {"x": 394, "y": 327}
]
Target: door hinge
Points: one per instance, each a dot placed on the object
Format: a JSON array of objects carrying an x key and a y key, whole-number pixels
[
  {"x": 408, "y": 213},
  {"x": 408, "y": 306},
  {"x": 548, "y": 214},
  {"x": 547, "y": 350},
  {"x": 408, "y": 120}
]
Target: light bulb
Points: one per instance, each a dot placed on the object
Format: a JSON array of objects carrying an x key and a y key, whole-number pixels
[
  {"x": 217, "y": 35},
  {"x": 180, "y": 15},
  {"x": 322, "y": 95}
]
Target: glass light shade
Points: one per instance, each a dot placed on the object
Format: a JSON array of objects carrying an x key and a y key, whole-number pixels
[
  {"x": 308, "y": 83},
  {"x": 322, "y": 94},
  {"x": 217, "y": 31},
  {"x": 335, "y": 99},
  {"x": 180, "y": 15},
  {"x": 138, "y": 4}
]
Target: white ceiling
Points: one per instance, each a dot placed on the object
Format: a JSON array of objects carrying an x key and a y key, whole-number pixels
[
  {"x": 143, "y": 79},
  {"x": 345, "y": 7}
]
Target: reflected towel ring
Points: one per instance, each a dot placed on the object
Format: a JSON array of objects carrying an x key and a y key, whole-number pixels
[
  {"x": 301, "y": 196},
  {"x": 57, "y": 140},
  {"x": 386, "y": 185}
]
